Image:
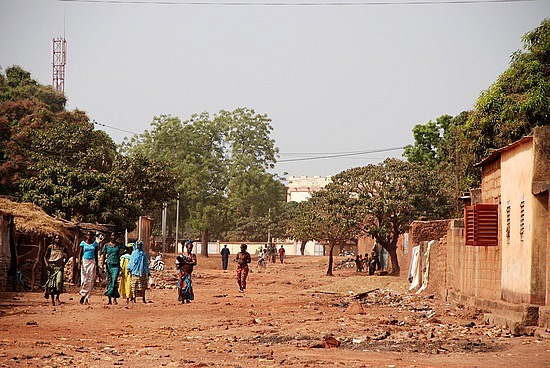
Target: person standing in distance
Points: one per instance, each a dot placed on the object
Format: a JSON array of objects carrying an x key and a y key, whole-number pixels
[
  {"x": 243, "y": 259},
  {"x": 225, "y": 256},
  {"x": 282, "y": 254}
]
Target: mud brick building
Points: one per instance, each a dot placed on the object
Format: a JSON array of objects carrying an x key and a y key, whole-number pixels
[{"x": 498, "y": 256}]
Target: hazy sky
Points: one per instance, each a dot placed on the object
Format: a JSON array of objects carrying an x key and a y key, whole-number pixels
[{"x": 333, "y": 78}]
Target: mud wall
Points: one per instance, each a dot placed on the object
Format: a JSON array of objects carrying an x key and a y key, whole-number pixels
[
  {"x": 421, "y": 233},
  {"x": 473, "y": 271}
]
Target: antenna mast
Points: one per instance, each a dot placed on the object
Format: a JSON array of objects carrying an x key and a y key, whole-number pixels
[{"x": 58, "y": 63}]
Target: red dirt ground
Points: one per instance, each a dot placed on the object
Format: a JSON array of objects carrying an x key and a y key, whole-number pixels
[{"x": 282, "y": 320}]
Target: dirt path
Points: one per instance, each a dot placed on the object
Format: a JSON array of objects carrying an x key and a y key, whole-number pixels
[{"x": 281, "y": 321}]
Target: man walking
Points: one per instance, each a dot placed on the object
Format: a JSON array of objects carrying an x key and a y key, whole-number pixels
[
  {"x": 243, "y": 259},
  {"x": 282, "y": 254},
  {"x": 225, "y": 256}
]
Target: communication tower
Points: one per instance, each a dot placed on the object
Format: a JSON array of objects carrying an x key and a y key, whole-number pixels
[{"x": 58, "y": 62}]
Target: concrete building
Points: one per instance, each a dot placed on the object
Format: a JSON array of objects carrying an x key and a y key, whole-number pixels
[{"x": 300, "y": 188}]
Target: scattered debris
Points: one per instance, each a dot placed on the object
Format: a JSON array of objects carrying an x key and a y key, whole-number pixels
[{"x": 331, "y": 342}]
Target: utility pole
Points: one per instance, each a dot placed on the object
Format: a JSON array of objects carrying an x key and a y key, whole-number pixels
[
  {"x": 269, "y": 227},
  {"x": 164, "y": 212},
  {"x": 177, "y": 220}
]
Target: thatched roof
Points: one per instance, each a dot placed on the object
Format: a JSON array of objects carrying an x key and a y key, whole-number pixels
[
  {"x": 31, "y": 219},
  {"x": 86, "y": 226}
]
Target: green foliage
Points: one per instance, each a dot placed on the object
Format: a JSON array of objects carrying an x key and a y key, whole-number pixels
[
  {"x": 251, "y": 197},
  {"x": 389, "y": 196},
  {"x": 147, "y": 182},
  {"x": 518, "y": 101},
  {"x": 17, "y": 84},
  {"x": 334, "y": 217},
  {"x": 55, "y": 159},
  {"x": 222, "y": 161},
  {"x": 508, "y": 110},
  {"x": 441, "y": 146},
  {"x": 427, "y": 140},
  {"x": 297, "y": 221}
]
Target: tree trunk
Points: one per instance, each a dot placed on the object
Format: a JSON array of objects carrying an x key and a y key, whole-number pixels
[
  {"x": 303, "y": 246},
  {"x": 392, "y": 251},
  {"x": 330, "y": 259},
  {"x": 204, "y": 243}
]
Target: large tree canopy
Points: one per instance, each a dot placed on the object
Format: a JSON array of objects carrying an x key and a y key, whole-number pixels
[
  {"x": 441, "y": 146},
  {"x": 55, "y": 158},
  {"x": 17, "y": 84},
  {"x": 518, "y": 101},
  {"x": 508, "y": 110},
  {"x": 223, "y": 162},
  {"x": 334, "y": 217},
  {"x": 389, "y": 196}
]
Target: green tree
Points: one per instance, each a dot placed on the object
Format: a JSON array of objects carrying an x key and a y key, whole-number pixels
[
  {"x": 147, "y": 182},
  {"x": 518, "y": 101},
  {"x": 441, "y": 146},
  {"x": 255, "y": 205},
  {"x": 251, "y": 190},
  {"x": 222, "y": 161},
  {"x": 298, "y": 222},
  {"x": 389, "y": 196},
  {"x": 509, "y": 109},
  {"x": 195, "y": 151},
  {"x": 17, "y": 84},
  {"x": 334, "y": 217},
  {"x": 428, "y": 142},
  {"x": 55, "y": 158}
]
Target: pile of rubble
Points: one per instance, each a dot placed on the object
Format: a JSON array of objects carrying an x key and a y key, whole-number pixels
[
  {"x": 164, "y": 279},
  {"x": 417, "y": 324}
]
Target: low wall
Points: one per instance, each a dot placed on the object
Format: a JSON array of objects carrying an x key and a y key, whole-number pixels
[
  {"x": 421, "y": 232},
  {"x": 472, "y": 271}
]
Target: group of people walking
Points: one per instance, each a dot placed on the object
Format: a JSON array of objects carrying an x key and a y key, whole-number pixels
[
  {"x": 129, "y": 264},
  {"x": 126, "y": 268}
]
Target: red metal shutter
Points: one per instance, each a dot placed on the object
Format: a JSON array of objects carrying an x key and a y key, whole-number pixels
[
  {"x": 469, "y": 224},
  {"x": 486, "y": 225}
]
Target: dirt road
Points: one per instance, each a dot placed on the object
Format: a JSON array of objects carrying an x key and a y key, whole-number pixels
[{"x": 289, "y": 316}]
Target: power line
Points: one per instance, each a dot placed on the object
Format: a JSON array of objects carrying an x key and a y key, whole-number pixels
[
  {"x": 323, "y": 155},
  {"x": 300, "y": 4},
  {"x": 112, "y": 127},
  {"x": 319, "y": 153},
  {"x": 341, "y": 154}
]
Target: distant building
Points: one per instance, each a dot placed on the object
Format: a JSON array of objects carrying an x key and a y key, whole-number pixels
[{"x": 300, "y": 188}]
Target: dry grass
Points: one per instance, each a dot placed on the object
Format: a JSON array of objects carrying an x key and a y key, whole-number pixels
[{"x": 31, "y": 219}]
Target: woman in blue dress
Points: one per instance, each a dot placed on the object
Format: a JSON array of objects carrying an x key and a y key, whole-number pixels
[
  {"x": 185, "y": 264},
  {"x": 110, "y": 256},
  {"x": 138, "y": 266}
]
